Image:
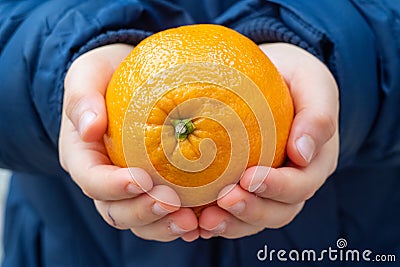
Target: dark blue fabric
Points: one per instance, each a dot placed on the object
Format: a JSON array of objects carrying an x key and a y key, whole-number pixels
[
  {"x": 315, "y": 27},
  {"x": 49, "y": 222}
]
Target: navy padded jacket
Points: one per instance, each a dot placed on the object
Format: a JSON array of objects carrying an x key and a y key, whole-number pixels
[{"x": 49, "y": 222}]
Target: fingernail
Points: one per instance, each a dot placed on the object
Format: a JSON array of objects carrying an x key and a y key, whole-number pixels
[
  {"x": 257, "y": 183},
  {"x": 226, "y": 190},
  {"x": 237, "y": 207},
  {"x": 260, "y": 189},
  {"x": 176, "y": 229},
  {"x": 159, "y": 210},
  {"x": 133, "y": 189},
  {"x": 87, "y": 118},
  {"x": 219, "y": 229},
  {"x": 306, "y": 147}
]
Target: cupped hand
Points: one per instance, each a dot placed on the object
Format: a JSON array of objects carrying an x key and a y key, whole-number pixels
[
  {"x": 272, "y": 197},
  {"x": 120, "y": 199}
]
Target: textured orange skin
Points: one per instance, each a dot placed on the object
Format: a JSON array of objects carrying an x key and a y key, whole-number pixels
[{"x": 197, "y": 43}]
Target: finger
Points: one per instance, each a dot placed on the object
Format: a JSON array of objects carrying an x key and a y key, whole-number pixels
[
  {"x": 311, "y": 129},
  {"x": 92, "y": 170},
  {"x": 316, "y": 109},
  {"x": 292, "y": 184},
  {"x": 214, "y": 221},
  {"x": 315, "y": 98},
  {"x": 181, "y": 223},
  {"x": 141, "y": 210},
  {"x": 257, "y": 211},
  {"x": 85, "y": 86},
  {"x": 191, "y": 236},
  {"x": 110, "y": 183}
]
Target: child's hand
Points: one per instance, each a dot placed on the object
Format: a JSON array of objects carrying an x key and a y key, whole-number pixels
[
  {"x": 120, "y": 201},
  {"x": 275, "y": 196}
]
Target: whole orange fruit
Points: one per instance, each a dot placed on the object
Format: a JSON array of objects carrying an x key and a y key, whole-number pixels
[{"x": 195, "y": 106}]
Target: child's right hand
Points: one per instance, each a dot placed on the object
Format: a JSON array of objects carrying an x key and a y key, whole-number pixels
[{"x": 120, "y": 201}]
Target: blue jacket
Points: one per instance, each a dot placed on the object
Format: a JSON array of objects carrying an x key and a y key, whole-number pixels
[{"x": 49, "y": 222}]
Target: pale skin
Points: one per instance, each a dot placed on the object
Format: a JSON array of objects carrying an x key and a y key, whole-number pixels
[{"x": 271, "y": 200}]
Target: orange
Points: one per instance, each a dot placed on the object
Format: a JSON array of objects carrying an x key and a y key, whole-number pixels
[{"x": 183, "y": 49}]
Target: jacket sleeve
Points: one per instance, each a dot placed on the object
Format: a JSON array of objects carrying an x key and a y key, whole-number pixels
[
  {"x": 360, "y": 43},
  {"x": 38, "y": 41}
]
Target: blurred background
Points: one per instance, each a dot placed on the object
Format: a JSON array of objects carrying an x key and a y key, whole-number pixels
[{"x": 4, "y": 180}]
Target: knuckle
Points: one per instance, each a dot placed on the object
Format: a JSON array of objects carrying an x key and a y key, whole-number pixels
[
  {"x": 276, "y": 190},
  {"x": 152, "y": 235},
  {"x": 259, "y": 219},
  {"x": 327, "y": 123},
  {"x": 281, "y": 223},
  {"x": 141, "y": 216},
  {"x": 88, "y": 190},
  {"x": 307, "y": 194},
  {"x": 289, "y": 217},
  {"x": 336, "y": 157},
  {"x": 138, "y": 233},
  {"x": 74, "y": 69},
  {"x": 63, "y": 163},
  {"x": 112, "y": 187},
  {"x": 62, "y": 151},
  {"x": 71, "y": 102},
  {"x": 82, "y": 181},
  {"x": 334, "y": 166},
  {"x": 89, "y": 193},
  {"x": 106, "y": 211}
]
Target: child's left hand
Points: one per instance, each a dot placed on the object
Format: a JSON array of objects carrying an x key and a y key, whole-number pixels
[{"x": 275, "y": 196}]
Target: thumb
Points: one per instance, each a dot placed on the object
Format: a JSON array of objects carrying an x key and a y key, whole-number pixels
[
  {"x": 315, "y": 98},
  {"x": 88, "y": 114},
  {"x": 316, "y": 108},
  {"x": 85, "y": 87},
  {"x": 310, "y": 131}
]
